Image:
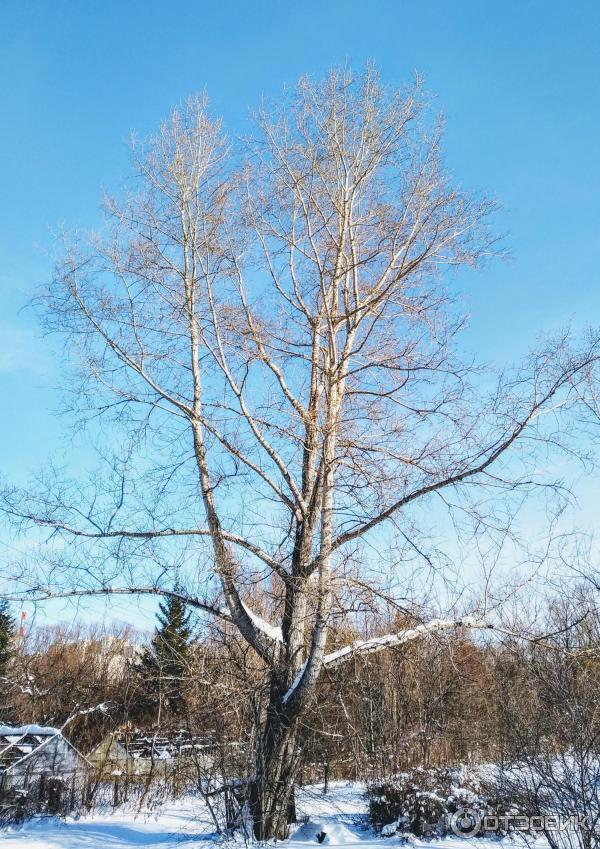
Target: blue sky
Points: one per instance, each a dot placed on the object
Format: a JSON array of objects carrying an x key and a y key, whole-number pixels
[{"x": 518, "y": 82}]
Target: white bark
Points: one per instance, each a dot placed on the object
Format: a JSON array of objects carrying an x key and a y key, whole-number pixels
[{"x": 280, "y": 337}]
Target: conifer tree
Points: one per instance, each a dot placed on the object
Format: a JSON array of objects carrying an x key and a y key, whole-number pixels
[
  {"x": 164, "y": 664},
  {"x": 7, "y": 636}
]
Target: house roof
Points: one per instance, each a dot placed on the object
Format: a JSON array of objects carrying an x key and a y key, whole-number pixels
[
  {"x": 17, "y": 743},
  {"x": 160, "y": 745},
  {"x": 20, "y": 730}
]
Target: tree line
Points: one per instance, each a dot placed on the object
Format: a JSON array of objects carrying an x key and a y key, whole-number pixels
[{"x": 446, "y": 700}]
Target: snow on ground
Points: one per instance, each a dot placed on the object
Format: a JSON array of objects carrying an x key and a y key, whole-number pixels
[
  {"x": 123, "y": 829},
  {"x": 341, "y": 813}
]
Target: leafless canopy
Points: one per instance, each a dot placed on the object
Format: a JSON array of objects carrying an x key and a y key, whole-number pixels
[{"x": 272, "y": 331}]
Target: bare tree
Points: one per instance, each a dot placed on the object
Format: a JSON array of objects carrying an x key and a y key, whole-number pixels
[
  {"x": 275, "y": 340},
  {"x": 551, "y": 719}
]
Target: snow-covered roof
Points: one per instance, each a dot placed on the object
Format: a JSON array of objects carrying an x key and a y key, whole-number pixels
[
  {"x": 21, "y": 730},
  {"x": 160, "y": 745},
  {"x": 19, "y": 742}
]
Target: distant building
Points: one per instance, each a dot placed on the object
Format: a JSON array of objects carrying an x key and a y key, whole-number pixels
[
  {"x": 39, "y": 771},
  {"x": 134, "y": 754}
]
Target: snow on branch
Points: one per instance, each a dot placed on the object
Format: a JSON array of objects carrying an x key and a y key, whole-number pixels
[
  {"x": 103, "y": 707},
  {"x": 272, "y": 631},
  {"x": 391, "y": 640},
  {"x": 376, "y": 644}
]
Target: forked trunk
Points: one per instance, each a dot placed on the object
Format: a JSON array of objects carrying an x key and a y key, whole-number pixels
[{"x": 272, "y": 799}]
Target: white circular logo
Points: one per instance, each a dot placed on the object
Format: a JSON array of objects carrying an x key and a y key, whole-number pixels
[{"x": 466, "y": 822}]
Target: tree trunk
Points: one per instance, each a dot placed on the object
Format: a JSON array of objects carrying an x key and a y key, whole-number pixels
[{"x": 272, "y": 793}]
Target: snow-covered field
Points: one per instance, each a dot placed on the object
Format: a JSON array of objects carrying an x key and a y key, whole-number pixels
[{"x": 340, "y": 813}]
